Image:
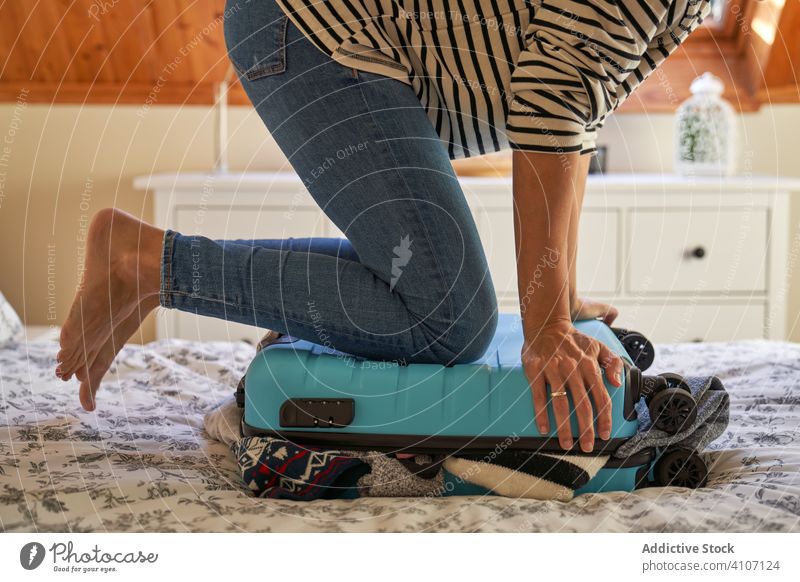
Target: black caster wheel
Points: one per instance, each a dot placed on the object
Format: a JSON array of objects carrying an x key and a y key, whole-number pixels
[
  {"x": 639, "y": 349},
  {"x": 680, "y": 468},
  {"x": 672, "y": 409},
  {"x": 239, "y": 394},
  {"x": 676, "y": 381}
]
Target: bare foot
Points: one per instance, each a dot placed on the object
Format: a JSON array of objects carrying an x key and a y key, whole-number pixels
[
  {"x": 90, "y": 376},
  {"x": 122, "y": 269}
]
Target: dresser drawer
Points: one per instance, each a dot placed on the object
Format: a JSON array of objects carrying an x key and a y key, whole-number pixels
[
  {"x": 598, "y": 248},
  {"x": 688, "y": 321},
  {"x": 697, "y": 251}
]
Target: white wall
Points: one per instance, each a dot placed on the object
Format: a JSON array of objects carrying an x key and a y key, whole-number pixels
[{"x": 770, "y": 143}]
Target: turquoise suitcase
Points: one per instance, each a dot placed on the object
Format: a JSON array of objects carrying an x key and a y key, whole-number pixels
[{"x": 312, "y": 395}]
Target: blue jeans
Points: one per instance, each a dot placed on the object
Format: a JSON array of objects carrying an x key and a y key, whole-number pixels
[{"x": 411, "y": 280}]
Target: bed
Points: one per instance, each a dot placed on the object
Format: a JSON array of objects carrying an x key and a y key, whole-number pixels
[{"x": 143, "y": 461}]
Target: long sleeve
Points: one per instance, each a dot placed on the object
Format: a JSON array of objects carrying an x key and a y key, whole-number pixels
[
  {"x": 582, "y": 58},
  {"x": 684, "y": 19}
]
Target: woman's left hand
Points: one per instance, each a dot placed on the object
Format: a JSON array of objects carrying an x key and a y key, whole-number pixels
[{"x": 582, "y": 308}]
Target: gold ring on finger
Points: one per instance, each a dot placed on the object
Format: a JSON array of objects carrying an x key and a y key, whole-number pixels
[{"x": 561, "y": 393}]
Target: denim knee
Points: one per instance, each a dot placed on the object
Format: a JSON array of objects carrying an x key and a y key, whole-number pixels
[{"x": 470, "y": 335}]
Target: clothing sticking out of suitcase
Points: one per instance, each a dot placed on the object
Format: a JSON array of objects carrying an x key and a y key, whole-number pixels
[{"x": 314, "y": 396}]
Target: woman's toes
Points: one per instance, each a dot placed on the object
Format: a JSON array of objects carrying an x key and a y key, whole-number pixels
[
  {"x": 87, "y": 396},
  {"x": 122, "y": 260},
  {"x": 70, "y": 366},
  {"x": 66, "y": 356},
  {"x": 92, "y": 376},
  {"x": 72, "y": 351},
  {"x": 64, "y": 360}
]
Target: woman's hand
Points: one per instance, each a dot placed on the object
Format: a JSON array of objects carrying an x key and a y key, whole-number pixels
[
  {"x": 581, "y": 308},
  {"x": 568, "y": 361},
  {"x": 548, "y": 191}
]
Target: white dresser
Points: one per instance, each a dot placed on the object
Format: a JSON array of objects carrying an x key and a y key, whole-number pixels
[{"x": 701, "y": 259}]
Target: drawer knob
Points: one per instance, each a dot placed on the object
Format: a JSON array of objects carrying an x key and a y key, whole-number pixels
[{"x": 698, "y": 252}]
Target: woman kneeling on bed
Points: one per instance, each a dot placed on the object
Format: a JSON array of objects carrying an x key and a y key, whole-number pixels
[{"x": 410, "y": 280}]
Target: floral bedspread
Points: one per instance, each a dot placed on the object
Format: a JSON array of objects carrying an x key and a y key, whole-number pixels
[{"x": 143, "y": 462}]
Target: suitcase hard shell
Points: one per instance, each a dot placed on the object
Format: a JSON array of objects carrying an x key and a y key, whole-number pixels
[
  {"x": 311, "y": 394},
  {"x": 315, "y": 396}
]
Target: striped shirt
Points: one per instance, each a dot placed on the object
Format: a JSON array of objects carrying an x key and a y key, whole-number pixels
[{"x": 533, "y": 75}]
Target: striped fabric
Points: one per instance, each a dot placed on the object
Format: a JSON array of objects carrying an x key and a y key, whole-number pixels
[{"x": 534, "y": 75}]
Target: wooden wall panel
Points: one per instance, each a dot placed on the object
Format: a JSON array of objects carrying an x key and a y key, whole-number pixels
[
  {"x": 782, "y": 74},
  {"x": 170, "y": 21},
  {"x": 84, "y": 31},
  {"x": 56, "y": 56},
  {"x": 669, "y": 85},
  {"x": 215, "y": 55},
  {"x": 14, "y": 61},
  {"x": 112, "y": 51},
  {"x": 126, "y": 51}
]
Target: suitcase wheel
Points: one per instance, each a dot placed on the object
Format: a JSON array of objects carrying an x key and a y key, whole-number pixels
[
  {"x": 675, "y": 380},
  {"x": 639, "y": 349},
  {"x": 680, "y": 468},
  {"x": 239, "y": 394},
  {"x": 672, "y": 409}
]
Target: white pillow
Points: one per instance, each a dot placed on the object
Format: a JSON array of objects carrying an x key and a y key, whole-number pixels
[{"x": 11, "y": 328}]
